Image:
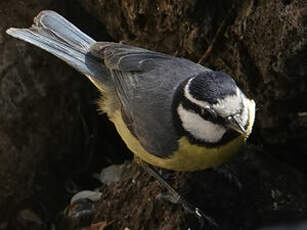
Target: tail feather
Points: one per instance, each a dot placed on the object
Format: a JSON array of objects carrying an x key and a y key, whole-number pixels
[
  {"x": 58, "y": 36},
  {"x": 63, "y": 29}
]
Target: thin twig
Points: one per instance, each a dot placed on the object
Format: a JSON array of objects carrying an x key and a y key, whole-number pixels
[{"x": 217, "y": 34}]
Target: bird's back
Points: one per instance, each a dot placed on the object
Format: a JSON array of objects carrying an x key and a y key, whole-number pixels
[{"x": 145, "y": 83}]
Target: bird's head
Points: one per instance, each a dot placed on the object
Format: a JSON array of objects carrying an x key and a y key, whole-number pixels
[{"x": 211, "y": 109}]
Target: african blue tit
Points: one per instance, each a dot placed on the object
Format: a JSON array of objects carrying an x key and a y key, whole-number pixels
[{"x": 170, "y": 112}]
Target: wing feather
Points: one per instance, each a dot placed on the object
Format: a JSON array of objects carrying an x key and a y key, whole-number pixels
[{"x": 145, "y": 82}]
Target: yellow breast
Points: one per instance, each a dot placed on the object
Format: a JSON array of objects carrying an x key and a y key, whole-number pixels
[{"x": 188, "y": 157}]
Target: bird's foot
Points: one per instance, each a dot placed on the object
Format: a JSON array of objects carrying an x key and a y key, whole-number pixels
[{"x": 174, "y": 197}]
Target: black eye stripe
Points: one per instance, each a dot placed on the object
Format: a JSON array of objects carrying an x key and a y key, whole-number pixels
[{"x": 205, "y": 114}]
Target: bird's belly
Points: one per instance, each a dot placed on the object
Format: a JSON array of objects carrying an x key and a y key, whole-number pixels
[{"x": 188, "y": 157}]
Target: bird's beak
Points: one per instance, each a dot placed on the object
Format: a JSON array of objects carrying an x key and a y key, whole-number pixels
[{"x": 234, "y": 123}]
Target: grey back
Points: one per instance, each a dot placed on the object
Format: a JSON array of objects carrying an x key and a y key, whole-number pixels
[{"x": 145, "y": 83}]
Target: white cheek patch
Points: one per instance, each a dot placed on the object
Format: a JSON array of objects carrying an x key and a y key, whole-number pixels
[{"x": 199, "y": 128}]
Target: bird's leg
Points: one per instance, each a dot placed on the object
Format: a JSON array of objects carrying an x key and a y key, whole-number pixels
[{"x": 176, "y": 198}]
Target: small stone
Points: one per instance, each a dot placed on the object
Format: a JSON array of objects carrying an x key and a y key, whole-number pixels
[
  {"x": 86, "y": 194},
  {"x": 111, "y": 174}
]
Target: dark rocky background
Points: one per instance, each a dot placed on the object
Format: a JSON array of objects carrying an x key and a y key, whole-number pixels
[{"x": 52, "y": 140}]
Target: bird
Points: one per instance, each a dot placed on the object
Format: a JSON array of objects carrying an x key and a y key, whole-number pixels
[{"x": 171, "y": 112}]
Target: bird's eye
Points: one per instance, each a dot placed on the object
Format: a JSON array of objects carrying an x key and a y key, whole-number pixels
[
  {"x": 208, "y": 113},
  {"x": 212, "y": 113}
]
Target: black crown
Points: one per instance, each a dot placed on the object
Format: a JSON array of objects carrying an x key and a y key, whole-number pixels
[{"x": 211, "y": 86}]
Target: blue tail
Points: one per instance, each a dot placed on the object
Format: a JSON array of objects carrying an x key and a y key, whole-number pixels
[{"x": 56, "y": 35}]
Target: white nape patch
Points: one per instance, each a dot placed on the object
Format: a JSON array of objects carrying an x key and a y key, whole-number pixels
[
  {"x": 233, "y": 105},
  {"x": 199, "y": 128},
  {"x": 187, "y": 94},
  {"x": 229, "y": 105}
]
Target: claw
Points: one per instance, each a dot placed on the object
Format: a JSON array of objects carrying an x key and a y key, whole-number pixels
[{"x": 174, "y": 197}]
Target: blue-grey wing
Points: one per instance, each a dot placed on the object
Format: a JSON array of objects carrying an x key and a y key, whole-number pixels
[{"x": 145, "y": 83}]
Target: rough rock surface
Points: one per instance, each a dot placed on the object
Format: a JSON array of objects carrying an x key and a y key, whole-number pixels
[
  {"x": 269, "y": 193},
  {"x": 50, "y": 134}
]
